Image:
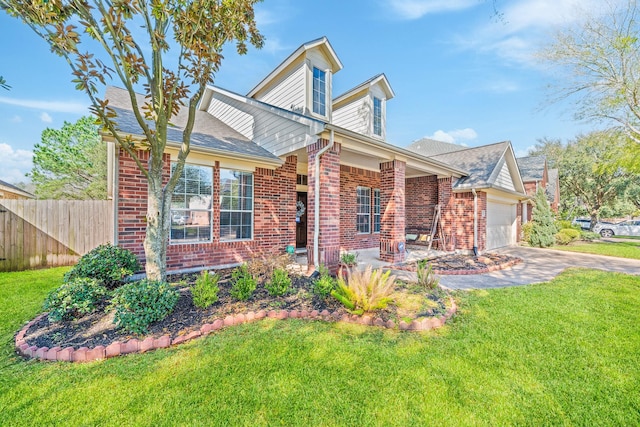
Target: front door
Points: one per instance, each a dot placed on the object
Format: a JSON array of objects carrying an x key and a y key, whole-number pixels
[{"x": 301, "y": 221}]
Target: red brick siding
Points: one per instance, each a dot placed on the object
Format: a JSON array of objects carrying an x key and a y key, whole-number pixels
[
  {"x": 350, "y": 179},
  {"x": 392, "y": 207},
  {"x": 329, "y": 233},
  {"x": 421, "y": 193},
  {"x": 518, "y": 221},
  {"x": 464, "y": 221},
  {"x": 448, "y": 217},
  {"x": 274, "y": 216}
]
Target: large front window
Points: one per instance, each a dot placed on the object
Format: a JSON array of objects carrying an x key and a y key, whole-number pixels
[
  {"x": 363, "y": 213},
  {"x": 319, "y": 91},
  {"x": 236, "y": 205},
  {"x": 191, "y": 204},
  {"x": 377, "y": 116}
]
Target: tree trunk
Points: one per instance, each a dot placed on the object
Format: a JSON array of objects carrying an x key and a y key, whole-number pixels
[{"x": 157, "y": 235}]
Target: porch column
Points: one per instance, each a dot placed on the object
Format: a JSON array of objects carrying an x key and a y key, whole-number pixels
[
  {"x": 392, "y": 222},
  {"x": 329, "y": 227},
  {"x": 447, "y": 211}
]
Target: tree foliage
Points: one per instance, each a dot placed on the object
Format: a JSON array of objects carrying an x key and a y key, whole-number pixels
[
  {"x": 71, "y": 162},
  {"x": 169, "y": 48},
  {"x": 543, "y": 227},
  {"x": 3, "y": 83}
]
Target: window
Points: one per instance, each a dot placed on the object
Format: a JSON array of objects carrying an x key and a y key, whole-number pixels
[
  {"x": 376, "y": 210},
  {"x": 319, "y": 92},
  {"x": 363, "y": 213},
  {"x": 236, "y": 205},
  {"x": 377, "y": 116},
  {"x": 301, "y": 179},
  {"x": 191, "y": 204}
]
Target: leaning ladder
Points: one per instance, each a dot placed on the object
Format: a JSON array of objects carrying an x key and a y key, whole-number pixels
[{"x": 436, "y": 227}]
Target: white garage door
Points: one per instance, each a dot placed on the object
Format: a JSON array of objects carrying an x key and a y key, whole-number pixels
[{"x": 501, "y": 224}]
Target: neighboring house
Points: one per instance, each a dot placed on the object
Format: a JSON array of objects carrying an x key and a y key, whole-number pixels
[
  {"x": 493, "y": 181},
  {"x": 288, "y": 164},
  {"x": 10, "y": 191},
  {"x": 535, "y": 174}
]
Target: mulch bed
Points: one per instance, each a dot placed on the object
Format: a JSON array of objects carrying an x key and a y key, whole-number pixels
[
  {"x": 464, "y": 264},
  {"x": 97, "y": 329}
]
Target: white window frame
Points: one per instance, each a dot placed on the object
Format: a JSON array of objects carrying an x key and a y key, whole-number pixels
[
  {"x": 209, "y": 210},
  {"x": 376, "y": 214},
  {"x": 321, "y": 90},
  {"x": 367, "y": 215},
  {"x": 377, "y": 117},
  {"x": 240, "y": 211}
]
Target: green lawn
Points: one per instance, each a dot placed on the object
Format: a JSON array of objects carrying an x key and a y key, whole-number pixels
[
  {"x": 619, "y": 249},
  {"x": 562, "y": 353}
]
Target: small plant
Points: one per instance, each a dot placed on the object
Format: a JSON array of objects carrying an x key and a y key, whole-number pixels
[
  {"x": 426, "y": 277},
  {"x": 365, "y": 291},
  {"x": 279, "y": 284},
  {"x": 107, "y": 263},
  {"x": 589, "y": 236},
  {"x": 74, "y": 299},
  {"x": 349, "y": 259},
  {"x": 139, "y": 304},
  {"x": 324, "y": 284},
  {"x": 526, "y": 231},
  {"x": 263, "y": 266},
  {"x": 242, "y": 283},
  {"x": 566, "y": 236},
  {"x": 205, "y": 290}
]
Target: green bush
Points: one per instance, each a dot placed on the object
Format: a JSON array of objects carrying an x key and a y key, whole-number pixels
[
  {"x": 365, "y": 291},
  {"x": 74, "y": 299},
  {"x": 589, "y": 236},
  {"x": 349, "y": 259},
  {"x": 526, "y": 231},
  {"x": 563, "y": 224},
  {"x": 205, "y": 291},
  {"x": 543, "y": 229},
  {"x": 279, "y": 284},
  {"x": 242, "y": 283},
  {"x": 107, "y": 263},
  {"x": 566, "y": 236},
  {"x": 139, "y": 304},
  {"x": 426, "y": 278},
  {"x": 323, "y": 285}
]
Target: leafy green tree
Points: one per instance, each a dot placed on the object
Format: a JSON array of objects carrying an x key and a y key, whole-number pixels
[
  {"x": 170, "y": 48},
  {"x": 543, "y": 227},
  {"x": 71, "y": 162},
  {"x": 3, "y": 83}
]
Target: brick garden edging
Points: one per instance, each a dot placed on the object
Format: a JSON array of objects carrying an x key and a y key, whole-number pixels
[{"x": 117, "y": 348}]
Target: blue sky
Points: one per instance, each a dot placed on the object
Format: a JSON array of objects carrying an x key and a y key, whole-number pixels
[{"x": 460, "y": 74}]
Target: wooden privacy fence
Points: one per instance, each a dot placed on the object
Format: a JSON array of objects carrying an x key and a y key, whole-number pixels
[{"x": 47, "y": 233}]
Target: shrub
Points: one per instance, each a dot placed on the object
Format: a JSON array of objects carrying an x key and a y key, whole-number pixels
[
  {"x": 526, "y": 231},
  {"x": 426, "y": 278},
  {"x": 107, "y": 263},
  {"x": 349, "y": 259},
  {"x": 279, "y": 284},
  {"x": 589, "y": 236},
  {"x": 74, "y": 299},
  {"x": 263, "y": 266},
  {"x": 366, "y": 291},
  {"x": 543, "y": 230},
  {"x": 564, "y": 224},
  {"x": 205, "y": 291},
  {"x": 242, "y": 283},
  {"x": 566, "y": 236},
  {"x": 323, "y": 285},
  {"x": 139, "y": 304}
]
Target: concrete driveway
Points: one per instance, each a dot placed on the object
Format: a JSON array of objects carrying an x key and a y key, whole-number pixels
[{"x": 539, "y": 265}]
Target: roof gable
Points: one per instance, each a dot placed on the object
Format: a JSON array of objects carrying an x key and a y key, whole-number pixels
[
  {"x": 380, "y": 81},
  {"x": 532, "y": 168}
]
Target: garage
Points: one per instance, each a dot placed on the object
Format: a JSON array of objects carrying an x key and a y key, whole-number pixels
[{"x": 501, "y": 224}]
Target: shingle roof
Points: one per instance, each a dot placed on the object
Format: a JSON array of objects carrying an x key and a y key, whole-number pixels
[
  {"x": 208, "y": 132},
  {"x": 431, "y": 147},
  {"x": 532, "y": 167},
  {"x": 16, "y": 189}
]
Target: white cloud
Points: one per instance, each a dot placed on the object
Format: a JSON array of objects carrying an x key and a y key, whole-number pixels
[
  {"x": 454, "y": 136},
  {"x": 15, "y": 163},
  {"x": 415, "y": 9},
  {"x": 46, "y": 117},
  {"x": 274, "y": 45},
  {"x": 16, "y": 119},
  {"x": 55, "y": 106},
  {"x": 524, "y": 152}
]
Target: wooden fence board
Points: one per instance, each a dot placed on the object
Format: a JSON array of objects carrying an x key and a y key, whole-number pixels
[{"x": 46, "y": 233}]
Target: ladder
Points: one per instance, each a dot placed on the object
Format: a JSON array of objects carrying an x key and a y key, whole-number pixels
[{"x": 436, "y": 228}]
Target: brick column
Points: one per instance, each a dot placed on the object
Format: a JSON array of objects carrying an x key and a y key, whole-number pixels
[
  {"x": 392, "y": 223},
  {"x": 329, "y": 232},
  {"x": 447, "y": 211}
]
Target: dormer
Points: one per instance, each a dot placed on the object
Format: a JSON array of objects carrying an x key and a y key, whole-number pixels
[
  {"x": 302, "y": 82},
  {"x": 363, "y": 109}
]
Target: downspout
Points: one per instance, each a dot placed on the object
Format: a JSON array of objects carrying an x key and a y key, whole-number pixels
[
  {"x": 475, "y": 222},
  {"x": 316, "y": 204}
]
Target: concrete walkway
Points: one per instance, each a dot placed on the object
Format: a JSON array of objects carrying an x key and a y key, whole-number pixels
[{"x": 539, "y": 265}]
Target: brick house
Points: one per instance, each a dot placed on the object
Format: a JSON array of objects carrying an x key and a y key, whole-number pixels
[
  {"x": 288, "y": 164},
  {"x": 535, "y": 174}
]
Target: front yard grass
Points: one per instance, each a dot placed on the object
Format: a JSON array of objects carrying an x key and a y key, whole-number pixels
[
  {"x": 619, "y": 249},
  {"x": 563, "y": 352}
]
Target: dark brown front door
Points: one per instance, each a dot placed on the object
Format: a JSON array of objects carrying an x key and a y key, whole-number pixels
[{"x": 301, "y": 222}]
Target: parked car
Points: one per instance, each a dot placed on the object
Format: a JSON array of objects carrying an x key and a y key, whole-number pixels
[
  {"x": 584, "y": 223},
  {"x": 624, "y": 228}
]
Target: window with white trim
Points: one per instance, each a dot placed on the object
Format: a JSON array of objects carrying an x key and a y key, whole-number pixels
[
  {"x": 319, "y": 91},
  {"x": 191, "y": 217},
  {"x": 377, "y": 116},
  {"x": 236, "y": 205},
  {"x": 376, "y": 210},
  {"x": 363, "y": 212}
]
